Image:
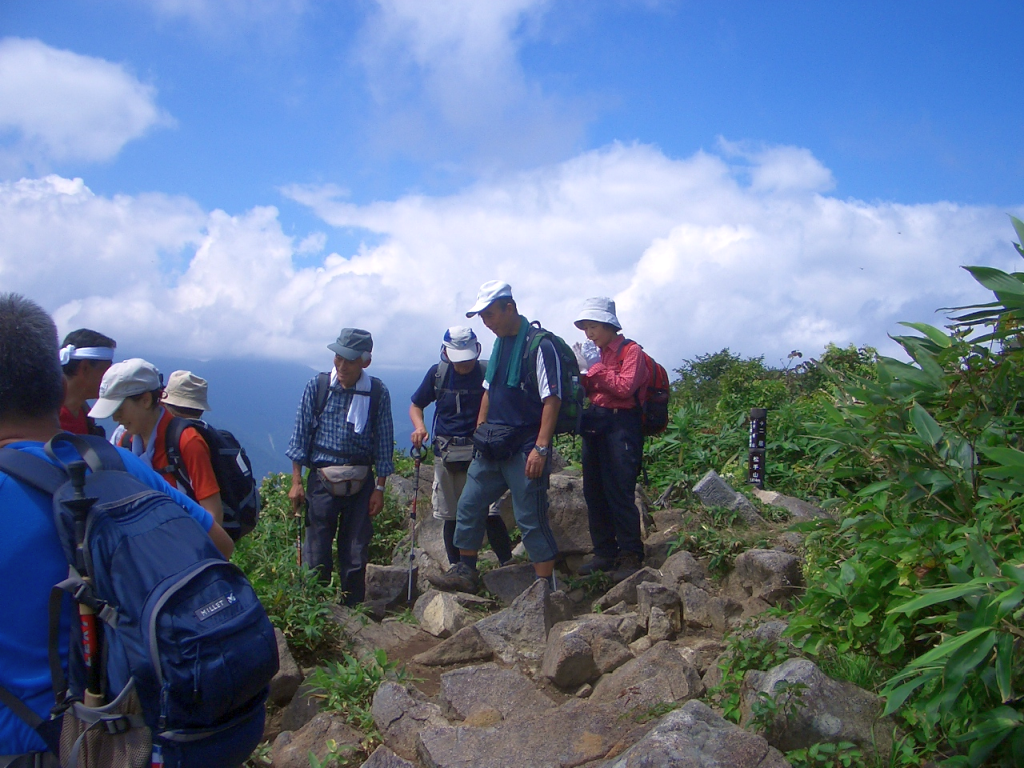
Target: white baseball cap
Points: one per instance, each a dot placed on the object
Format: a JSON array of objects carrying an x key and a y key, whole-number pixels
[
  {"x": 460, "y": 344},
  {"x": 490, "y": 292},
  {"x": 123, "y": 380}
]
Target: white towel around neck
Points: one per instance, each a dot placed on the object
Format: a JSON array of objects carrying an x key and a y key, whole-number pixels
[{"x": 359, "y": 408}]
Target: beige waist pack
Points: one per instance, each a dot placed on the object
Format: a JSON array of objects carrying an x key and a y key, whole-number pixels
[{"x": 344, "y": 479}]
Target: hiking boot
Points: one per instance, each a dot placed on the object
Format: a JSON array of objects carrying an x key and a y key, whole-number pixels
[
  {"x": 596, "y": 563},
  {"x": 626, "y": 565},
  {"x": 459, "y": 578}
]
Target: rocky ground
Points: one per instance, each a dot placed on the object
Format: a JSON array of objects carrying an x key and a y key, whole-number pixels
[{"x": 533, "y": 678}]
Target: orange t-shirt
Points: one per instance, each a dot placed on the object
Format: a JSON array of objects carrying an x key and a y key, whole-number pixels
[{"x": 196, "y": 455}]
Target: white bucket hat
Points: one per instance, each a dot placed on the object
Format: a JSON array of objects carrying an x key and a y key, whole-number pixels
[
  {"x": 460, "y": 344},
  {"x": 123, "y": 380},
  {"x": 489, "y": 293},
  {"x": 600, "y": 309},
  {"x": 186, "y": 390}
]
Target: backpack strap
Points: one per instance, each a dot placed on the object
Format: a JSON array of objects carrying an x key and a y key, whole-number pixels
[
  {"x": 48, "y": 730},
  {"x": 439, "y": 378},
  {"x": 175, "y": 462},
  {"x": 323, "y": 391}
]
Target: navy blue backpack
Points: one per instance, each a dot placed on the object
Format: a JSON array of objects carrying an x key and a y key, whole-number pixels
[{"x": 183, "y": 651}]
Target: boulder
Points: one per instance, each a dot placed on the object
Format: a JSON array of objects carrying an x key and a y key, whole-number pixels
[
  {"x": 466, "y": 645},
  {"x": 713, "y": 491},
  {"x": 506, "y": 691},
  {"x": 660, "y": 675},
  {"x": 683, "y": 567},
  {"x": 288, "y": 678},
  {"x": 401, "y": 712},
  {"x": 657, "y": 545},
  {"x": 695, "y": 736},
  {"x": 383, "y": 757},
  {"x": 696, "y": 606},
  {"x": 567, "y": 513},
  {"x": 509, "y": 582},
  {"x": 798, "y": 509},
  {"x": 575, "y": 734},
  {"x": 441, "y": 613},
  {"x": 625, "y": 590},
  {"x": 770, "y": 574},
  {"x": 292, "y": 749},
  {"x": 726, "y": 614},
  {"x": 826, "y": 710},
  {"x": 581, "y": 650},
  {"x": 367, "y": 635},
  {"x": 650, "y": 596},
  {"x": 388, "y": 585},
  {"x": 304, "y": 706},
  {"x": 519, "y": 633}
]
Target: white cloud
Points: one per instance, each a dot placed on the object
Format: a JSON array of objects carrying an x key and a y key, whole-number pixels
[
  {"x": 58, "y": 106},
  {"x": 697, "y": 257},
  {"x": 446, "y": 75}
]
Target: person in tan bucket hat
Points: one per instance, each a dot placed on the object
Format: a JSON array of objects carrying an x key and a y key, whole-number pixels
[{"x": 186, "y": 395}]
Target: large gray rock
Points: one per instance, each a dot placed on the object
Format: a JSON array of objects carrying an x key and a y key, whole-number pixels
[
  {"x": 367, "y": 635},
  {"x": 625, "y": 590},
  {"x": 696, "y": 606},
  {"x": 651, "y": 596},
  {"x": 400, "y": 713},
  {"x": 441, "y": 613},
  {"x": 567, "y": 513},
  {"x": 769, "y": 574},
  {"x": 660, "y": 675},
  {"x": 304, "y": 706},
  {"x": 383, "y": 757},
  {"x": 291, "y": 749},
  {"x": 519, "y": 633},
  {"x": 388, "y": 585},
  {"x": 726, "y": 613},
  {"x": 797, "y": 508},
  {"x": 509, "y": 692},
  {"x": 695, "y": 736},
  {"x": 581, "y": 650},
  {"x": 575, "y": 734},
  {"x": 713, "y": 491},
  {"x": 286, "y": 682},
  {"x": 509, "y": 582},
  {"x": 465, "y": 646},
  {"x": 826, "y": 711},
  {"x": 683, "y": 567}
]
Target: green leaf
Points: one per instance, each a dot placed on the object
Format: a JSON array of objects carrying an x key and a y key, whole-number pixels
[
  {"x": 895, "y": 699},
  {"x": 1018, "y": 225},
  {"x": 934, "y": 334},
  {"x": 1004, "y": 666},
  {"x": 874, "y": 488},
  {"x": 997, "y": 280},
  {"x": 970, "y": 655},
  {"x": 945, "y": 594},
  {"x": 982, "y": 557},
  {"x": 947, "y": 648},
  {"x": 1008, "y": 457}
]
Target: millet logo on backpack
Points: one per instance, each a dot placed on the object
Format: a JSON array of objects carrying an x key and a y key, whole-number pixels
[{"x": 216, "y": 606}]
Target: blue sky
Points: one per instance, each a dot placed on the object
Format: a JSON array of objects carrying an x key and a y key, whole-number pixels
[{"x": 255, "y": 175}]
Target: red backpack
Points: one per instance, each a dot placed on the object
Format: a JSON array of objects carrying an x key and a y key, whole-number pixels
[{"x": 652, "y": 399}]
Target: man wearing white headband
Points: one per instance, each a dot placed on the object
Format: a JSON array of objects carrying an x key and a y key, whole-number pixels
[{"x": 85, "y": 356}]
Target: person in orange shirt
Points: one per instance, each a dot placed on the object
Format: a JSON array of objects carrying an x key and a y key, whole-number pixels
[
  {"x": 131, "y": 392},
  {"x": 85, "y": 356}
]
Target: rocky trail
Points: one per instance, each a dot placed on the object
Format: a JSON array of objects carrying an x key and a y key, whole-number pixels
[{"x": 527, "y": 677}]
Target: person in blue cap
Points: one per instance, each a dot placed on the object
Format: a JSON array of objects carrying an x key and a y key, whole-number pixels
[
  {"x": 346, "y": 439},
  {"x": 456, "y": 387}
]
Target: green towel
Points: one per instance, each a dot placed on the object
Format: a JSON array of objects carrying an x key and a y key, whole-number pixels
[{"x": 512, "y": 379}]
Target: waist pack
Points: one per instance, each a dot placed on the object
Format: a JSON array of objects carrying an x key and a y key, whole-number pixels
[
  {"x": 455, "y": 452},
  {"x": 497, "y": 442},
  {"x": 173, "y": 655},
  {"x": 343, "y": 479},
  {"x": 239, "y": 493}
]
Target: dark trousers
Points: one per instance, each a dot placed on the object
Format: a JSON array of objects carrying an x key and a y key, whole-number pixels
[
  {"x": 346, "y": 518},
  {"x": 612, "y": 450}
]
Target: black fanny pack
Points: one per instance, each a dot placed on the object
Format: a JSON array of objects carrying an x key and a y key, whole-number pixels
[{"x": 497, "y": 442}]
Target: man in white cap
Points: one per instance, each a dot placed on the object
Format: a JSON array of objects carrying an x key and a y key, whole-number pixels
[
  {"x": 186, "y": 395},
  {"x": 517, "y": 420},
  {"x": 344, "y": 434},
  {"x": 456, "y": 386},
  {"x": 85, "y": 356},
  {"x": 614, "y": 372}
]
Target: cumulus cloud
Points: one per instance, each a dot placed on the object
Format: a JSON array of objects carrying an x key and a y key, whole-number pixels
[
  {"x": 57, "y": 106},
  {"x": 697, "y": 255},
  {"x": 446, "y": 74}
]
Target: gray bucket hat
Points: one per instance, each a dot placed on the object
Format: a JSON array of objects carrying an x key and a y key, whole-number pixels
[
  {"x": 352, "y": 343},
  {"x": 600, "y": 309}
]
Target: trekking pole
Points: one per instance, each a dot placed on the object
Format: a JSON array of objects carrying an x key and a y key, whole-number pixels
[
  {"x": 417, "y": 455},
  {"x": 91, "y": 653},
  {"x": 298, "y": 533}
]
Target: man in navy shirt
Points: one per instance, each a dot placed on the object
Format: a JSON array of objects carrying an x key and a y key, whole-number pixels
[
  {"x": 456, "y": 387},
  {"x": 515, "y": 426}
]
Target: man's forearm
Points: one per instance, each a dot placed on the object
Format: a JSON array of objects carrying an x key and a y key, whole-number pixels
[
  {"x": 548, "y": 420},
  {"x": 296, "y": 473}
]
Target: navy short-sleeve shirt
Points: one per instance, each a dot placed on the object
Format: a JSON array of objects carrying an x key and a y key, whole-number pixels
[{"x": 457, "y": 407}]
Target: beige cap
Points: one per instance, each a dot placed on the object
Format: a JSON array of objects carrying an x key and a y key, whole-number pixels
[
  {"x": 123, "y": 380},
  {"x": 186, "y": 390}
]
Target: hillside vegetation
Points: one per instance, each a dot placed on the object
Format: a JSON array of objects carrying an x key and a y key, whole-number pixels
[{"x": 915, "y": 586}]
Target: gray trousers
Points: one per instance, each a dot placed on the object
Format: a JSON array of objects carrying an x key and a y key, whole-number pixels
[{"x": 347, "y": 519}]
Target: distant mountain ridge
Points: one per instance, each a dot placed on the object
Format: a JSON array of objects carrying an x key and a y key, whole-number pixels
[{"x": 257, "y": 401}]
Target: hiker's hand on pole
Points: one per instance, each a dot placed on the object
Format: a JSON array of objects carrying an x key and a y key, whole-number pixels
[
  {"x": 296, "y": 494},
  {"x": 419, "y": 436},
  {"x": 376, "y": 502}
]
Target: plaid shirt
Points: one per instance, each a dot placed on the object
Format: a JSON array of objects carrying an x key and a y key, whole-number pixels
[
  {"x": 614, "y": 381},
  {"x": 338, "y": 436}
]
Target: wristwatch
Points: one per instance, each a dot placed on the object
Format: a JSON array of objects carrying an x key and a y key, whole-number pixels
[
  {"x": 542, "y": 450},
  {"x": 380, "y": 487}
]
